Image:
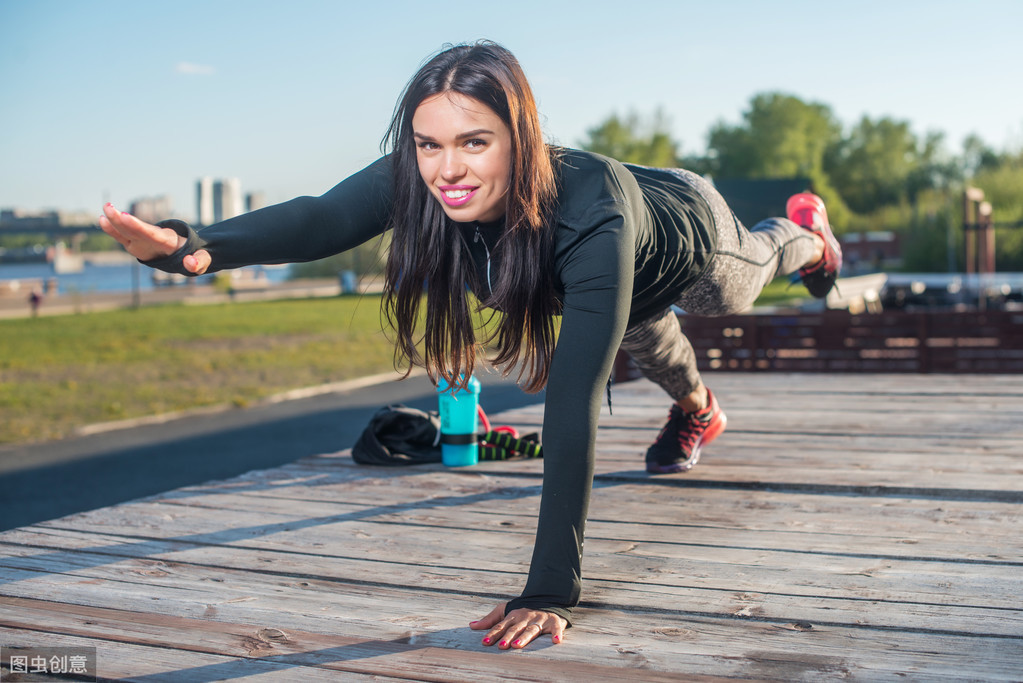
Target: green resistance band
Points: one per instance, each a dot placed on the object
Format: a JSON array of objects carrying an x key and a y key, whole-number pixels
[{"x": 503, "y": 446}]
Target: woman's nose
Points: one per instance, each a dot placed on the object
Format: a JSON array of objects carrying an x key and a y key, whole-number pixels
[{"x": 452, "y": 167}]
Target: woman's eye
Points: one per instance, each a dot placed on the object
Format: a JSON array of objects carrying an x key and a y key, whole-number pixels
[
  {"x": 475, "y": 143},
  {"x": 426, "y": 145}
]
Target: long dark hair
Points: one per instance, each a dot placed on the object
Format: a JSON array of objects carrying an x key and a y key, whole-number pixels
[{"x": 428, "y": 247}]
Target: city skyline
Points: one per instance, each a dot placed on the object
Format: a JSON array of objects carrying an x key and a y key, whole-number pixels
[{"x": 113, "y": 100}]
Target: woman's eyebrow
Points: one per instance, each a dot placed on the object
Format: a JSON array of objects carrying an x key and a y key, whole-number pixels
[
  {"x": 474, "y": 133},
  {"x": 460, "y": 136}
]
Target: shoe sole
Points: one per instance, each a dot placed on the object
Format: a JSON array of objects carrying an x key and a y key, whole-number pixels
[
  {"x": 713, "y": 432},
  {"x": 808, "y": 202}
]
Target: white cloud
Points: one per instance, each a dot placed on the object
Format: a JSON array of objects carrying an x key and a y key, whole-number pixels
[{"x": 191, "y": 69}]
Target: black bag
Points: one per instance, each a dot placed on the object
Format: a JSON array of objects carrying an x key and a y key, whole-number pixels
[{"x": 399, "y": 435}]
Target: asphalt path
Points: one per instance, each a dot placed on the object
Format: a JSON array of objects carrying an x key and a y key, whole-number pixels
[{"x": 48, "y": 480}]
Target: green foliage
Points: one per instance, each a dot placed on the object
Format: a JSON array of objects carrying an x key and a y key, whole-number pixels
[
  {"x": 1003, "y": 188},
  {"x": 870, "y": 166},
  {"x": 88, "y": 241},
  {"x": 23, "y": 240},
  {"x": 635, "y": 140},
  {"x": 98, "y": 241},
  {"x": 878, "y": 175},
  {"x": 880, "y": 163},
  {"x": 978, "y": 156},
  {"x": 368, "y": 258},
  {"x": 780, "y": 137}
]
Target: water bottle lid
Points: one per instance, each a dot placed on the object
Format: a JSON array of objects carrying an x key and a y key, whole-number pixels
[{"x": 473, "y": 386}]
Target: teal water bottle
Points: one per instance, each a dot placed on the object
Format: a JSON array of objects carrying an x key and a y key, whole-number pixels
[{"x": 459, "y": 445}]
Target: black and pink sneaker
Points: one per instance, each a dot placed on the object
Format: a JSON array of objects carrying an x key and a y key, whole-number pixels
[
  {"x": 677, "y": 447},
  {"x": 807, "y": 211}
]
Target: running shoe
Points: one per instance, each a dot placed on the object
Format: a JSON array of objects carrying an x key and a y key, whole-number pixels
[
  {"x": 807, "y": 211},
  {"x": 677, "y": 447}
]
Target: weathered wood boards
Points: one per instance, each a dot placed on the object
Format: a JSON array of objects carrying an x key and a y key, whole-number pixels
[{"x": 864, "y": 529}]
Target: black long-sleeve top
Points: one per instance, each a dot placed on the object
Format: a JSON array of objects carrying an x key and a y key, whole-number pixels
[{"x": 629, "y": 240}]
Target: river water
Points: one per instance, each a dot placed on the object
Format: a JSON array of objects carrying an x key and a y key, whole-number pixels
[{"x": 99, "y": 278}]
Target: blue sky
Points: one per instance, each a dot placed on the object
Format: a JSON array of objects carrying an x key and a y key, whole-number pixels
[{"x": 116, "y": 100}]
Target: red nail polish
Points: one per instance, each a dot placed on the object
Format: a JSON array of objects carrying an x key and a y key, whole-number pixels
[
  {"x": 557, "y": 639},
  {"x": 517, "y": 642},
  {"x": 503, "y": 643},
  {"x": 486, "y": 641}
]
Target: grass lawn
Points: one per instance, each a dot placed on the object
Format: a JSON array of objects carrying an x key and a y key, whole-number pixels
[
  {"x": 781, "y": 292},
  {"x": 59, "y": 373}
]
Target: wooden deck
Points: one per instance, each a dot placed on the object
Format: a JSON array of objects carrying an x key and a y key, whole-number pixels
[{"x": 863, "y": 527}]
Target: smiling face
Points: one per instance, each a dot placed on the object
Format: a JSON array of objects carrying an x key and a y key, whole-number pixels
[{"x": 464, "y": 152}]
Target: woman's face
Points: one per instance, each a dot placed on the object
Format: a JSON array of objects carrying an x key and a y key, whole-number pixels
[{"x": 464, "y": 152}]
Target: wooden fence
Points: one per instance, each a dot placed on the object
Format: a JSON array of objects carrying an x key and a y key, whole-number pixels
[{"x": 838, "y": 341}]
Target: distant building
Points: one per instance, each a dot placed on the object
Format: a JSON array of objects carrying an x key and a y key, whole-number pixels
[
  {"x": 15, "y": 219},
  {"x": 70, "y": 218},
  {"x": 25, "y": 219},
  {"x": 227, "y": 199},
  {"x": 151, "y": 209},
  {"x": 254, "y": 201},
  {"x": 221, "y": 198},
  {"x": 204, "y": 201},
  {"x": 870, "y": 252},
  {"x": 753, "y": 200}
]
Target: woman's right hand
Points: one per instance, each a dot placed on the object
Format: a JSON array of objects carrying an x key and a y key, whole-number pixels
[{"x": 146, "y": 242}]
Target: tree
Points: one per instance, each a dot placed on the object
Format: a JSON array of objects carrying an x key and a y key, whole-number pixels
[
  {"x": 634, "y": 140},
  {"x": 1001, "y": 185},
  {"x": 978, "y": 156},
  {"x": 780, "y": 137},
  {"x": 880, "y": 163}
]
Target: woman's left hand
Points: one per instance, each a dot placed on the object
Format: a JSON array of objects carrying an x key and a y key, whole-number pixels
[{"x": 519, "y": 627}]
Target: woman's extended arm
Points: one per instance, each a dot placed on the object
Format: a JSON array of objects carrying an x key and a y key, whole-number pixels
[
  {"x": 598, "y": 278},
  {"x": 303, "y": 229}
]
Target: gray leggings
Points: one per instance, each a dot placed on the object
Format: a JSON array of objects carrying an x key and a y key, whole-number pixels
[{"x": 744, "y": 262}]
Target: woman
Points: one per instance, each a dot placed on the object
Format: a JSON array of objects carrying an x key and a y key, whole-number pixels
[{"x": 475, "y": 197}]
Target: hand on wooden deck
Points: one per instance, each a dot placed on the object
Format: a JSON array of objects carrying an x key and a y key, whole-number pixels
[
  {"x": 520, "y": 627},
  {"x": 146, "y": 242}
]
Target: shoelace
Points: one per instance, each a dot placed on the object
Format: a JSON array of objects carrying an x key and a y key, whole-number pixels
[{"x": 697, "y": 426}]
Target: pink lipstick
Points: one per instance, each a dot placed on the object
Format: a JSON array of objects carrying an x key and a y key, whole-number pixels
[{"x": 457, "y": 195}]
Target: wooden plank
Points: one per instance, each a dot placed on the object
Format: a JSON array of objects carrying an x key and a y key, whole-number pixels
[
  {"x": 817, "y": 568},
  {"x": 784, "y": 520},
  {"x": 796, "y": 531}
]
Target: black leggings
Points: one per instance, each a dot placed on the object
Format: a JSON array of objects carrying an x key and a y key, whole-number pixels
[{"x": 745, "y": 261}]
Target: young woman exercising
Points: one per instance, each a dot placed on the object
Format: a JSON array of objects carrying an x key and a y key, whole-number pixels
[{"x": 474, "y": 197}]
